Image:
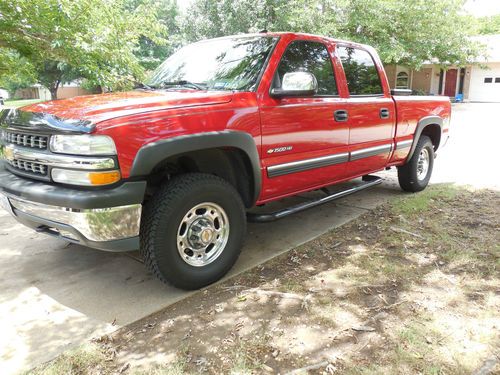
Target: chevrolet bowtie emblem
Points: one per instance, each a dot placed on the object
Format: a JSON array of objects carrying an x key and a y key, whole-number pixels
[{"x": 8, "y": 153}]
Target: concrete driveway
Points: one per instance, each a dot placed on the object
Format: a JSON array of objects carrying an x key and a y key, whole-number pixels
[{"x": 54, "y": 296}]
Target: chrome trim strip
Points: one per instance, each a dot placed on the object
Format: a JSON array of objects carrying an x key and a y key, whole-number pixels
[
  {"x": 404, "y": 144},
  {"x": 304, "y": 165},
  {"x": 370, "y": 151},
  {"x": 99, "y": 224},
  {"x": 62, "y": 161}
]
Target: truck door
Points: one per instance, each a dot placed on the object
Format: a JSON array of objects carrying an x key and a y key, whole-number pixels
[
  {"x": 370, "y": 110},
  {"x": 302, "y": 144}
]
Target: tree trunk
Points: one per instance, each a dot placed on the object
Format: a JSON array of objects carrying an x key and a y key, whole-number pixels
[{"x": 53, "y": 89}]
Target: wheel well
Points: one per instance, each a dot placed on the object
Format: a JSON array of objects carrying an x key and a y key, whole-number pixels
[
  {"x": 433, "y": 131},
  {"x": 231, "y": 164}
]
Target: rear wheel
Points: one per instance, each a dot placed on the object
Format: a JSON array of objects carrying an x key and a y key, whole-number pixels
[
  {"x": 192, "y": 230},
  {"x": 415, "y": 174}
]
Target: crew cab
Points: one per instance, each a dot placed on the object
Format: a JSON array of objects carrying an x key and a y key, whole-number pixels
[{"x": 223, "y": 125}]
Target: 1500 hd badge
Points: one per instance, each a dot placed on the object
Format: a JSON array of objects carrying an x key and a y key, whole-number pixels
[{"x": 279, "y": 149}]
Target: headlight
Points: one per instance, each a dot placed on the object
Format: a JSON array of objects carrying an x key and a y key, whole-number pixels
[
  {"x": 85, "y": 178},
  {"x": 82, "y": 144}
]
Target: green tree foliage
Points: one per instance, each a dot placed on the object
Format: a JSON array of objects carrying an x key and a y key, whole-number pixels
[
  {"x": 212, "y": 18},
  {"x": 94, "y": 39},
  {"x": 149, "y": 51},
  {"x": 112, "y": 43},
  {"x": 411, "y": 32},
  {"x": 16, "y": 72},
  {"x": 408, "y": 32},
  {"x": 488, "y": 25}
]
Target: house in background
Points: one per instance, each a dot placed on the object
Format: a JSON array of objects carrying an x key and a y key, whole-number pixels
[
  {"x": 476, "y": 83},
  {"x": 64, "y": 91},
  {"x": 4, "y": 94}
]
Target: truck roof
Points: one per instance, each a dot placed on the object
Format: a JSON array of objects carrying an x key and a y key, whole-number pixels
[{"x": 295, "y": 36}]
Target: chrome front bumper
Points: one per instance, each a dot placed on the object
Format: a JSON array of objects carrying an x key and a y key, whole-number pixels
[
  {"x": 106, "y": 219},
  {"x": 97, "y": 227}
]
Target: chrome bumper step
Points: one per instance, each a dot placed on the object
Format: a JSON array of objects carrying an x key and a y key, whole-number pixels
[{"x": 368, "y": 181}]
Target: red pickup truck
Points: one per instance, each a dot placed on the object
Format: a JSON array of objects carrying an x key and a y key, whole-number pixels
[{"x": 223, "y": 125}]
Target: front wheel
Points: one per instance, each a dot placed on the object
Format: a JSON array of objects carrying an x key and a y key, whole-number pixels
[
  {"x": 415, "y": 174},
  {"x": 192, "y": 230}
]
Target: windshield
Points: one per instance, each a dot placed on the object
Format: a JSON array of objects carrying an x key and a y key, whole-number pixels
[{"x": 217, "y": 64}]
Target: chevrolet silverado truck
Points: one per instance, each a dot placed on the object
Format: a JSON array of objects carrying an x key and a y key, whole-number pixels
[{"x": 223, "y": 125}]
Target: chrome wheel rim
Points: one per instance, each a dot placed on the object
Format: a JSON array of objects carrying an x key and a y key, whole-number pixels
[
  {"x": 423, "y": 164},
  {"x": 202, "y": 234}
]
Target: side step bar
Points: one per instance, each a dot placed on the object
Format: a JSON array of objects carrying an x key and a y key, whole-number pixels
[{"x": 369, "y": 181}]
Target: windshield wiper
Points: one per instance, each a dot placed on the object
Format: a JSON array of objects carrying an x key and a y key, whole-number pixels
[
  {"x": 140, "y": 85},
  {"x": 183, "y": 83}
]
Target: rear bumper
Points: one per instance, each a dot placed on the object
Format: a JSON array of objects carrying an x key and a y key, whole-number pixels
[{"x": 102, "y": 219}]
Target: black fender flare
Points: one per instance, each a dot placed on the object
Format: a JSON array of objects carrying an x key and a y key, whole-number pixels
[
  {"x": 151, "y": 154},
  {"x": 424, "y": 121}
]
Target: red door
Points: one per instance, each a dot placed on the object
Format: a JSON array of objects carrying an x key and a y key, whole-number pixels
[
  {"x": 303, "y": 147},
  {"x": 451, "y": 82},
  {"x": 370, "y": 109}
]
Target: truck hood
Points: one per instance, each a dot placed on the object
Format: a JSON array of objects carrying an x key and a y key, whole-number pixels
[{"x": 98, "y": 108}]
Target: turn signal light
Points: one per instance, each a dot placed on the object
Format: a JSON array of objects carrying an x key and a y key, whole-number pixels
[
  {"x": 104, "y": 178},
  {"x": 85, "y": 178}
]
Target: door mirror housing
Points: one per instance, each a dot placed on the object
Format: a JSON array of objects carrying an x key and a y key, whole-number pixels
[{"x": 296, "y": 84}]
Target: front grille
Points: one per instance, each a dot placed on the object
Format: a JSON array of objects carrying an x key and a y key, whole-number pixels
[
  {"x": 27, "y": 166},
  {"x": 26, "y": 140}
]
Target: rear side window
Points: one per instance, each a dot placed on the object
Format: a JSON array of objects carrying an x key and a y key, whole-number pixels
[
  {"x": 312, "y": 57},
  {"x": 360, "y": 71}
]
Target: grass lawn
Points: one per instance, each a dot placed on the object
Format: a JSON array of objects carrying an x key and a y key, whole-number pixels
[
  {"x": 19, "y": 103},
  {"x": 411, "y": 287}
]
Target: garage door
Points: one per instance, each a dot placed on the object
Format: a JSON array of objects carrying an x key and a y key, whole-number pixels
[{"x": 485, "y": 84}]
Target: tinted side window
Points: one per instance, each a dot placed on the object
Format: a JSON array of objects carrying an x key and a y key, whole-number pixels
[
  {"x": 312, "y": 57},
  {"x": 360, "y": 71}
]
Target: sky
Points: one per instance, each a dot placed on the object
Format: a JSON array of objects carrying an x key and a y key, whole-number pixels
[
  {"x": 183, "y": 4},
  {"x": 481, "y": 8},
  {"x": 478, "y": 8}
]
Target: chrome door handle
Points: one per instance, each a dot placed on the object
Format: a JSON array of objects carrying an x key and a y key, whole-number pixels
[
  {"x": 384, "y": 113},
  {"x": 340, "y": 115}
]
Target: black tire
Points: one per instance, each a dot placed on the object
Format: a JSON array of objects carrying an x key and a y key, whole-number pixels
[
  {"x": 408, "y": 174},
  {"x": 163, "y": 215}
]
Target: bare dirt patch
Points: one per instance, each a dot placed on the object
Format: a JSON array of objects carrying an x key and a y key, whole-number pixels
[{"x": 411, "y": 287}]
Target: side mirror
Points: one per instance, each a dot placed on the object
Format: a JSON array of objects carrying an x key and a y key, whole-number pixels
[{"x": 296, "y": 84}]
